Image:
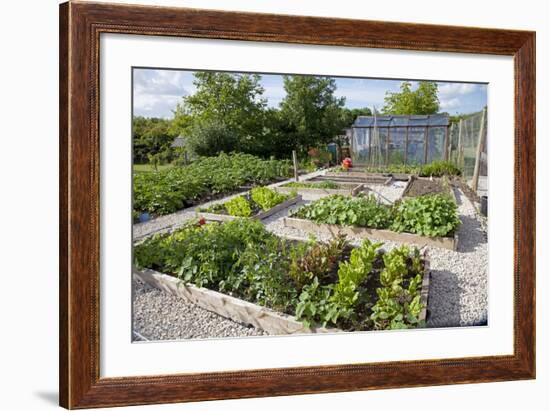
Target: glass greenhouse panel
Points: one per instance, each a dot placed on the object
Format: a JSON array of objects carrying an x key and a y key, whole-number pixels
[
  {"x": 398, "y": 138},
  {"x": 415, "y": 148},
  {"x": 378, "y": 147},
  {"x": 360, "y": 145},
  {"x": 436, "y": 143}
]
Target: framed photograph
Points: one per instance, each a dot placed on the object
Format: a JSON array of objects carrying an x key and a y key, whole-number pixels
[{"x": 260, "y": 205}]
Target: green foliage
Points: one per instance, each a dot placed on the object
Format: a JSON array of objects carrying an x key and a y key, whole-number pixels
[
  {"x": 152, "y": 137},
  {"x": 311, "y": 110},
  {"x": 238, "y": 207},
  {"x": 243, "y": 259},
  {"x": 432, "y": 215},
  {"x": 316, "y": 260},
  {"x": 209, "y": 137},
  {"x": 439, "y": 168},
  {"x": 351, "y": 274},
  {"x": 345, "y": 210},
  {"x": 231, "y": 104},
  {"x": 266, "y": 198},
  {"x": 326, "y": 185},
  {"x": 167, "y": 191},
  {"x": 398, "y": 304},
  {"x": 423, "y": 100}
]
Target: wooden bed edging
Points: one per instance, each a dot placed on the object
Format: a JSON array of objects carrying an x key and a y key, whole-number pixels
[
  {"x": 260, "y": 216},
  {"x": 352, "y": 191},
  {"x": 229, "y": 307},
  {"x": 449, "y": 243},
  {"x": 244, "y": 312}
]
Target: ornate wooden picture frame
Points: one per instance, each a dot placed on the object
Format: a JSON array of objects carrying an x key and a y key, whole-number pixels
[{"x": 81, "y": 25}]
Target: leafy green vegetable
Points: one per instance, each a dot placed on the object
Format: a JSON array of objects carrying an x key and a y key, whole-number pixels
[
  {"x": 169, "y": 190},
  {"x": 345, "y": 210},
  {"x": 241, "y": 258},
  {"x": 430, "y": 215},
  {"x": 238, "y": 207},
  {"x": 398, "y": 304},
  {"x": 266, "y": 198}
]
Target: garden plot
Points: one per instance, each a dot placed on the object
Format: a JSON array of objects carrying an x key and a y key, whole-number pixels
[
  {"x": 314, "y": 189},
  {"x": 259, "y": 203},
  {"x": 428, "y": 220},
  {"x": 241, "y": 271}
]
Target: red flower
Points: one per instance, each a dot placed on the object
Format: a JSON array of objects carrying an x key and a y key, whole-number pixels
[{"x": 202, "y": 221}]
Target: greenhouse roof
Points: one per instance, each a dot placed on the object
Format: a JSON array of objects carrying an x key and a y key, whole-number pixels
[{"x": 433, "y": 120}]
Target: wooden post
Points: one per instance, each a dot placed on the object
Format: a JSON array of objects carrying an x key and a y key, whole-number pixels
[
  {"x": 295, "y": 162},
  {"x": 426, "y": 144},
  {"x": 406, "y": 144},
  {"x": 446, "y": 144},
  {"x": 480, "y": 144},
  {"x": 459, "y": 146},
  {"x": 388, "y": 148}
]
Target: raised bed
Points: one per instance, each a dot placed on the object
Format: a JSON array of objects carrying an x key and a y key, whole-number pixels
[
  {"x": 449, "y": 243},
  {"x": 351, "y": 189},
  {"x": 259, "y": 216},
  {"x": 229, "y": 307},
  {"x": 244, "y": 312},
  {"x": 435, "y": 186}
]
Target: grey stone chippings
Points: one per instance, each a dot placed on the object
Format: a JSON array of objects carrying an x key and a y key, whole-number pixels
[{"x": 158, "y": 315}]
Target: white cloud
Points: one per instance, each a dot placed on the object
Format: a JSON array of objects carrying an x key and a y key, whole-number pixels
[
  {"x": 446, "y": 104},
  {"x": 453, "y": 89},
  {"x": 156, "y": 92}
]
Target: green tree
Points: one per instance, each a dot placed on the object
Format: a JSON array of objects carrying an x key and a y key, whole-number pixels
[
  {"x": 232, "y": 100},
  {"x": 312, "y": 111},
  {"x": 210, "y": 137},
  {"x": 423, "y": 100},
  {"x": 152, "y": 137}
]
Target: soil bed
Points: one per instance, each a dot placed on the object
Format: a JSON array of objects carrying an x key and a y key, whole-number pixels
[{"x": 419, "y": 187}]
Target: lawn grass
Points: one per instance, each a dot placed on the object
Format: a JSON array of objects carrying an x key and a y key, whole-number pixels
[{"x": 149, "y": 168}]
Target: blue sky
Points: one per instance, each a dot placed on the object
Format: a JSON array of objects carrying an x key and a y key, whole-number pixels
[{"x": 157, "y": 91}]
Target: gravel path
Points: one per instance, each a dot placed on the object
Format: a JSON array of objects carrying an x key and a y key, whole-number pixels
[
  {"x": 162, "y": 316},
  {"x": 458, "y": 286}
]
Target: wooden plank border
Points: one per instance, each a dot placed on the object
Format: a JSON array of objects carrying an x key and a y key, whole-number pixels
[
  {"x": 260, "y": 216},
  {"x": 449, "y": 243},
  {"x": 244, "y": 312},
  {"x": 352, "y": 191}
]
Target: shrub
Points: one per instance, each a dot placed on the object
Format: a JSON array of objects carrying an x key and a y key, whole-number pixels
[
  {"x": 430, "y": 215},
  {"x": 210, "y": 138}
]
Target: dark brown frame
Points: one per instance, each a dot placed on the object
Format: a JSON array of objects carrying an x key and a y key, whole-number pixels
[{"x": 80, "y": 27}]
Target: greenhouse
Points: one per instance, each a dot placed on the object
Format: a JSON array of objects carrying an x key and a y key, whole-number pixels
[{"x": 400, "y": 139}]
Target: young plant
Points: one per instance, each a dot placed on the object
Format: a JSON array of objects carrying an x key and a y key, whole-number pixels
[
  {"x": 266, "y": 198},
  {"x": 238, "y": 207},
  {"x": 432, "y": 215}
]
